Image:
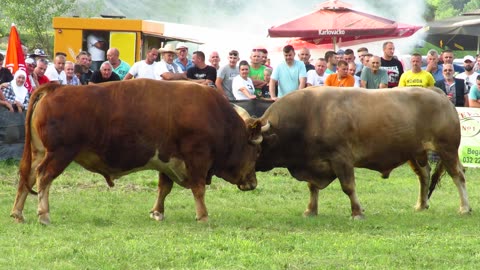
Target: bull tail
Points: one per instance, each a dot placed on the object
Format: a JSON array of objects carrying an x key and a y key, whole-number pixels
[
  {"x": 26, "y": 163},
  {"x": 436, "y": 177}
]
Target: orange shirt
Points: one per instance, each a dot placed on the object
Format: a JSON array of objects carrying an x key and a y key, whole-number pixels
[{"x": 332, "y": 80}]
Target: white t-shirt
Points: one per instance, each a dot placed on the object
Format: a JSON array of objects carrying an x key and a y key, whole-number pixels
[
  {"x": 97, "y": 54},
  {"x": 53, "y": 75},
  {"x": 314, "y": 79},
  {"x": 141, "y": 69},
  {"x": 470, "y": 80},
  {"x": 239, "y": 82},
  {"x": 162, "y": 67}
]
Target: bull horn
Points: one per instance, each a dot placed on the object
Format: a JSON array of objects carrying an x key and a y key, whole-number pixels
[{"x": 265, "y": 127}]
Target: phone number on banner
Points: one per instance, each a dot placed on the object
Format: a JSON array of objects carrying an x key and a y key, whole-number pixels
[{"x": 470, "y": 155}]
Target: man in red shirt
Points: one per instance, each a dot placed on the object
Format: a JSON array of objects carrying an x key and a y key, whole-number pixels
[{"x": 39, "y": 71}]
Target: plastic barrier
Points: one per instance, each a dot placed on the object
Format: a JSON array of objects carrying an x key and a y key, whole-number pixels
[{"x": 12, "y": 134}]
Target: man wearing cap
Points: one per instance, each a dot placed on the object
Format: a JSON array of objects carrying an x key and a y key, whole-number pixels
[
  {"x": 144, "y": 68},
  {"x": 30, "y": 63},
  {"x": 38, "y": 54},
  {"x": 469, "y": 76},
  {"x": 340, "y": 54},
  {"x": 182, "y": 57},
  {"x": 166, "y": 69}
]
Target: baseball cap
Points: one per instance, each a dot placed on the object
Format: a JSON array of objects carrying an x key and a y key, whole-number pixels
[
  {"x": 341, "y": 52},
  {"x": 468, "y": 58},
  {"x": 30, "y": 61},
  {"x": 181, "y": 45}
]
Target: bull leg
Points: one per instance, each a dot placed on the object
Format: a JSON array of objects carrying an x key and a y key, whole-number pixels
[
  {"x": 312, "y": 208},
  {"x": 455, "y": 170},
  {"x": 346, "y": 175},
  {"x": 423, "y": 174},
  {"x": 199, "y": 196},
  {"x": 22, "y": 192},
  {"x": 165, "y": 185},
  {"x": 51, "y": 167}
]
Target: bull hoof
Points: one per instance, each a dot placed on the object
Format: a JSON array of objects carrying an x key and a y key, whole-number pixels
[
  {"x": 44, "y": 219},
  {"x": 310, "y": 213},
  {"x": 157, "y": 216},
  {"x": 465, "y": 210},
  {"x": 202, "y": 219},
  {"x": 358, "y": 217},
  {"x": 18, "y": 217},
  {"x": 419, "y": 208}
]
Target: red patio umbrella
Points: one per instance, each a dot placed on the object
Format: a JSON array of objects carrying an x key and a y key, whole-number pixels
[{"x": 335, "y": 22}]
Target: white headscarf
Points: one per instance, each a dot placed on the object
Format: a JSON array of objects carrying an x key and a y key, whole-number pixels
[{"x": 20, "y": 91}]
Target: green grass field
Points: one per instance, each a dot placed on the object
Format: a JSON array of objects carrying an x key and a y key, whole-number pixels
[{"x": 95, "y": 227}]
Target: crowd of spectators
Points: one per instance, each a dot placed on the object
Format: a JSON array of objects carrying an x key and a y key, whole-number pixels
[{"x": 253, "y": 79}]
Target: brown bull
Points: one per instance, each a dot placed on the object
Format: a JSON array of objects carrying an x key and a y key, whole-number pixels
[
  {"x": 321, "y": 134},
  {"x": 186, "y": 131}
]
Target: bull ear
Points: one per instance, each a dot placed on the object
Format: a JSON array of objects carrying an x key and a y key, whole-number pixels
[{"x": 255, "y": 130}]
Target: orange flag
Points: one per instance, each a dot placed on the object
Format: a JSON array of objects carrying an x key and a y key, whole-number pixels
[{"x": 14, "y": 58}]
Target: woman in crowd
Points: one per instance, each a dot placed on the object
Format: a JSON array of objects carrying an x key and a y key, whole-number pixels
[{"x": 15, "y": 93}]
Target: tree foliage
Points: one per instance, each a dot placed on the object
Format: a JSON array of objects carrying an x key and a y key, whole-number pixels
[
  {"x": 33, "y": 18},
  {"x": 449, "y": 8}
]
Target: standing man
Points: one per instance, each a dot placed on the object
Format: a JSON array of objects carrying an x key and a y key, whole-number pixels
[
  {"x": 469, "y": 76},
  {"x": 433, "y": 66},
  {"x": 226, "y": 74},
  {"x": 373, "y": 77},
  {"x": 200, "y": 72},
  {"x": 96, "y": 47},
  {"x": 304, "y": 56},
  {"x": 317, "y": 76},
  {"x": 331, "y": 58},
  {"x": 391, "y": 64},
  {"x": 256, "y": 71},
  {"x": 416, "y": 76},
  {"x": 182, "y": 57},
  {"x": 144, "y": 68},
  {"x": 166, "y": 69},
  {"x": 448, "y": 57},
  {"x": 120, "y": 67},
  {"x": 453, "y": 88},
  {"x": 290, "y": 75}
]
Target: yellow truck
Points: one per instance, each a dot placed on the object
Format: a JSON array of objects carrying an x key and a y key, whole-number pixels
[{"x": 132, "y": 37}]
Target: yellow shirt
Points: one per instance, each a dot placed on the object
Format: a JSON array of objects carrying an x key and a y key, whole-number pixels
[{"x": 419, "y": 79}]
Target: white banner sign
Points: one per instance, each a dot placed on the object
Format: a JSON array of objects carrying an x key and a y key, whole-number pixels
[{"x": 469, "y": 150}]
